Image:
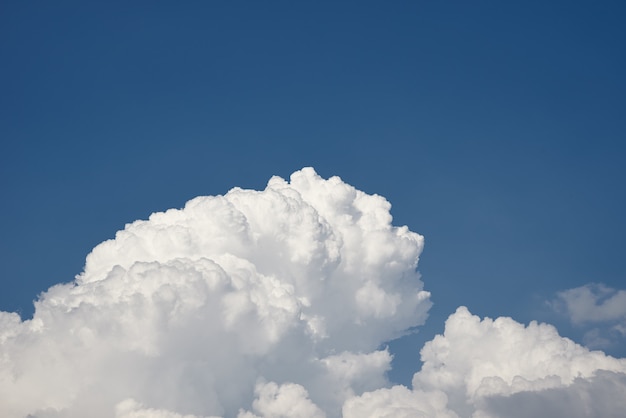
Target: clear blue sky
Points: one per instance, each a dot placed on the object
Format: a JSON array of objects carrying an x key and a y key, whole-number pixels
[{"x": 496, "y": 129}]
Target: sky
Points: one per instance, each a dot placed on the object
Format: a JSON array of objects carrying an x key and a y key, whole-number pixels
[{"x": 494, "y": 131}]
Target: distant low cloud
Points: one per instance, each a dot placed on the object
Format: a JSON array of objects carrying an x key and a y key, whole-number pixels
[
  {"x": 593, "y": 303},
  {"x": 275, "y": 304},
  {"x": 599, "y": 309}
]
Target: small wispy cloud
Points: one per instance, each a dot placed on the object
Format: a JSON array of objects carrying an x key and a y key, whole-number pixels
[
  {"x": 592, "y": 302},
  {"x": 597, "y": 309}
]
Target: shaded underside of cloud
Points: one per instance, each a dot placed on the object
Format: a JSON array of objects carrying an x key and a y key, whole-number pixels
[
  {"x": 276, "y": 303},
  {"x": 603, "y": 395}
]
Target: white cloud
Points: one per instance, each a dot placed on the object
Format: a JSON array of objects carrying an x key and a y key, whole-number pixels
[
  {"x": 598, "y": 310},
  {"x": 285, "y": 401},
  {"x": 472, "y": 352},
  {"x": 130, "y": 408},
  {"x": 398, "y": 402},
  {"x": 183, "y": 314},
  {"x": 494, "y": 368},
  {"x": 477, "y": 359},
  {"x": 592, "y": 303},
  {"x": 602, "y": 395},
  {"x": 275, "y": 303}
]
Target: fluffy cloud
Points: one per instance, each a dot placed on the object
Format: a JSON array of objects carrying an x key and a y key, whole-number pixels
[
  {"x": 596, "y": 308},
  {"x": 285, "y": 401},
  {"x": 275, "y": 303},
  {"x": 592, "y": 303},
  {"x": 501, "y": 368},
  {"x": 130, "y": 408},
  {"x": 476, "y": 359},
  {"x": 186, "y": 313},
  {"x": 602, "y": 395},
  {"x": 398, "y": 402}
]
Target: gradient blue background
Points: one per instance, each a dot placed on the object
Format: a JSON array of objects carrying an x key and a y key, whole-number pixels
[{"x": 496, "y": 129}]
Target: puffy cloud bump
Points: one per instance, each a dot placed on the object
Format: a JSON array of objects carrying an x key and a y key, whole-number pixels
[
  {"x": 592, "y": 303},
  {"x": 257, "y": 303}
]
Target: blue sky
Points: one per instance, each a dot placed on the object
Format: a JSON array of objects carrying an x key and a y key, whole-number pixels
[{"x": 495, "y": 129}]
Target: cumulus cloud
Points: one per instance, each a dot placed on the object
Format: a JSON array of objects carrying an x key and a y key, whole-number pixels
[
  {"x": 592, "y": 303},
  {"x": 603, "y": 396},
  {"x": 276, "y": 303},
  {"x": 496, "y": 368},
  {"x": 596, "y": 308},
  {"x": 398, "y": 402},
  {"x": 271, "y": 303},
  {"x": 476, "y": 359},
  {"x": 130, "y": 408},
  {"x": 285, "y": 401}
]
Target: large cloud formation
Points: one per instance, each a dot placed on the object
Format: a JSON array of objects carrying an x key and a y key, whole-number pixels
[
  {"x": 259, "y": 301},
  {"x": 275, "y": 303}
]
